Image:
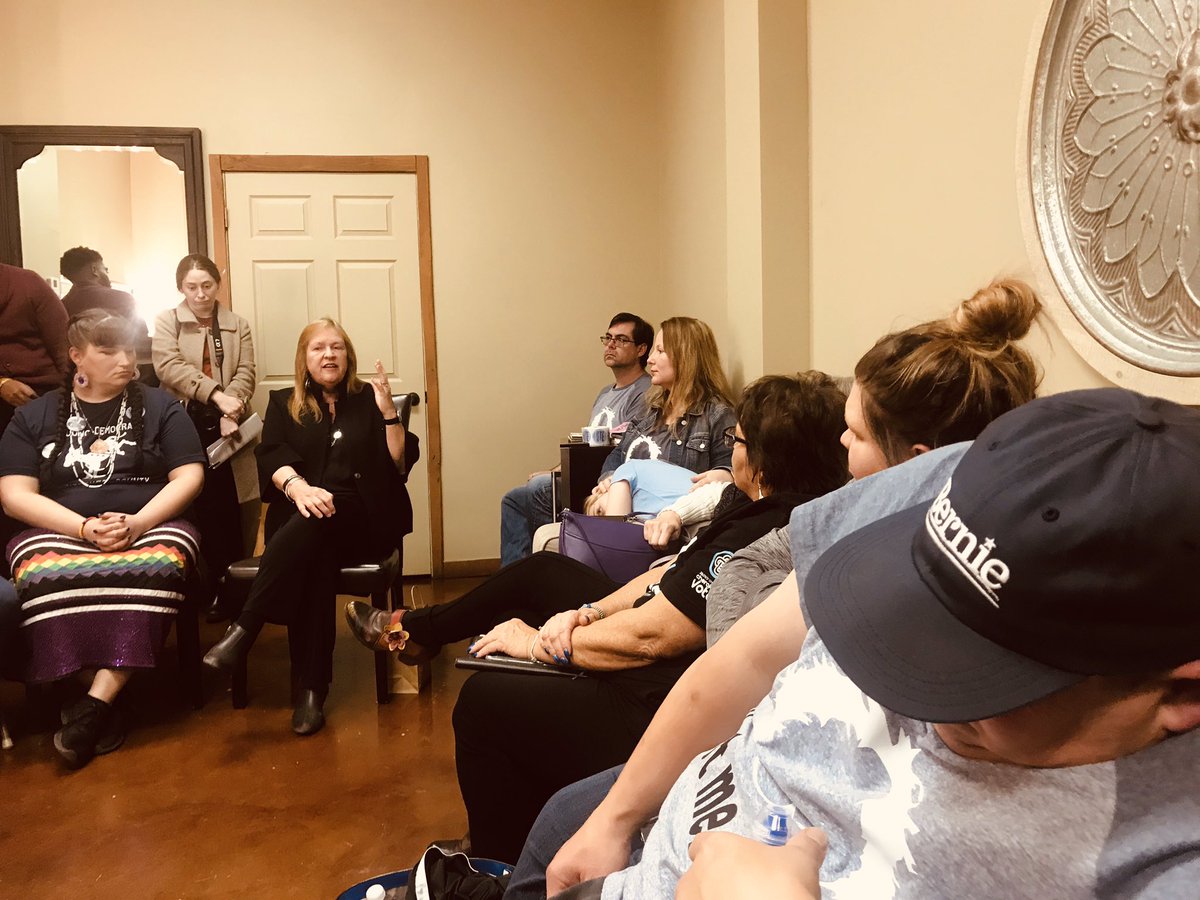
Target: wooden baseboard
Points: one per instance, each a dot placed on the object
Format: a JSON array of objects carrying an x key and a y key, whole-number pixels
[{"x": 470, "y": 568}]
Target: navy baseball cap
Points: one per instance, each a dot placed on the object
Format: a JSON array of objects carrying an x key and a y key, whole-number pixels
[{"x": 1066, "y": 544}]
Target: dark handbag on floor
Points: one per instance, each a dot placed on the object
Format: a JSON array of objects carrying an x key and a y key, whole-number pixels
[
  {"x": 613, "y": 547},
  {"x": 452, "y": 876}
]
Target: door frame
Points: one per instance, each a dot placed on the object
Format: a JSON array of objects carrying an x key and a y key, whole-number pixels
[{"x": 220, "y": 164}]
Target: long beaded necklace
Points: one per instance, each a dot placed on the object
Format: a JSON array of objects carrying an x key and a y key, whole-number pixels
[{"x": 94, "y": 466}]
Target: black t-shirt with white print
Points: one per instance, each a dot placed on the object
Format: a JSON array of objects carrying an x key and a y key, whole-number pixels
[{"x": 101, "y": 469}]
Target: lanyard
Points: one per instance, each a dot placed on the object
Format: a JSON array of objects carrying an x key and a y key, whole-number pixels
[{"x": 218, "y": 351}]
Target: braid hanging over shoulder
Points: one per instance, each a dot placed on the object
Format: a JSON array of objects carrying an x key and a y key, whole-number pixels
[{"x": 60, "y": 425}]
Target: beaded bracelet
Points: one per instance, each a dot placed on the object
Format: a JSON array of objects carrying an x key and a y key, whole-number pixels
[{"x": 83, "y": 525}]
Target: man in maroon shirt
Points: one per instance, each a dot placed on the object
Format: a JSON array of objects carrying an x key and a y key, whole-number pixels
[{"x": 33, "y": 339}]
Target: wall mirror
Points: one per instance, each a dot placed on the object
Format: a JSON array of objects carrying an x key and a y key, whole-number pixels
[{"x": 134, "y": 194}]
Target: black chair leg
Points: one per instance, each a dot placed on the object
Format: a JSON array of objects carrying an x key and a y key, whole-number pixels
[
  {"x": 238, "y": 684},
  {"x": 383, "y": 692},
  {"x": 187, "y": 641}
]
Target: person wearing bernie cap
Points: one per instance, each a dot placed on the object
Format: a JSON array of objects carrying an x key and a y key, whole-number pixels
[{"x": 1000, "y": 692}]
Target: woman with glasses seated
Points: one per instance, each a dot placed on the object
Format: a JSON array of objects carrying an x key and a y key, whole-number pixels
[
  {"x": 634, "y": 640},
  {"x": 332, "y": 466}
]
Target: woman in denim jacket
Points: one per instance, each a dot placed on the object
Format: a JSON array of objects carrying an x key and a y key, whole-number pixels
[{"x": 687, "y": 409}]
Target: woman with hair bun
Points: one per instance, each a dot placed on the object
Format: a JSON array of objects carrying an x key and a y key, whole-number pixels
[
  {"x": 943, "y": 381},
  {"x": 100, "y": 469},
  {"x": 915, "y": 390}
]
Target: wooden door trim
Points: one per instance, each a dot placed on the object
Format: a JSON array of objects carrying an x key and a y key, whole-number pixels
[{"x": 220, "y": 164}]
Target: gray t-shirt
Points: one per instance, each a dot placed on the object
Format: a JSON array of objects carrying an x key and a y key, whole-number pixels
[
  {"x": 751, "y": 575},
  {"x": 905, "y": 816},
  {"x": 623, "y": 401},
  {"x": 755, "y": 571}
]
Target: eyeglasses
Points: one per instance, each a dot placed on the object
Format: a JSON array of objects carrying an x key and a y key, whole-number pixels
[
  {"x": 619, "y": 339},
  {"x": 731, "y": 438}
]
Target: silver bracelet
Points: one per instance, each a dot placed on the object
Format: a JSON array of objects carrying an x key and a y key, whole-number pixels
[
  {"x": 286, "y": 482},
  {"x": 597, "y": 610},
  {"x": 532, "y": 644}
]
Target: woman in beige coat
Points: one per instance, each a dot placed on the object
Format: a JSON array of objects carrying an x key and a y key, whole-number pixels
[{"x": 204, "y": 355}]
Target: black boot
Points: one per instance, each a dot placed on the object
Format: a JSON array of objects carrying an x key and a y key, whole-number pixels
[
  {"x": 226, "y": 653},
  {"x": 309, "y": 715}
]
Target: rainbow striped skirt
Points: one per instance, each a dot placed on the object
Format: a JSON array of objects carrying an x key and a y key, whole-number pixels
[{"x": 83, "y": 608}]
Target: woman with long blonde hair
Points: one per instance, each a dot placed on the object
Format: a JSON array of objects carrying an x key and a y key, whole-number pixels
[
  {"x": 332, "y": 466},
  {"x": 687, "y": 408}
]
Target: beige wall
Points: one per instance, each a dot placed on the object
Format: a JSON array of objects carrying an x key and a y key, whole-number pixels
[
  {"x": 802, "y": 174},
  {"x": 541, "y": 120},
  {"x": 158, "y": 232},
  {"x": 37, "y": 184},
  {"x": 90, "y": 181},
  {"x": 736, "y": 180},
  {"x": 693, "y": 173},
  {"x": 915, "y": 127}
]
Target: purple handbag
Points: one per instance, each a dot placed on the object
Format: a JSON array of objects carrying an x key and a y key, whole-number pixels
[{"x": 613, "y": 547}]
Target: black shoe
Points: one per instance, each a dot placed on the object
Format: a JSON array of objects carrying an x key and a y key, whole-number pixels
[
  {"x": 380, "y": 630},
  {"x": 113, "y": 734},
  {"x": 79, "y": 741},
  {"x": 309, "y": 715},
  {"x": 226, "y": 653}
]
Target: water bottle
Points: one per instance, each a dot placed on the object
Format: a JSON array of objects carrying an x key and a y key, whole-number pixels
[{"x": 773, "y": 829}]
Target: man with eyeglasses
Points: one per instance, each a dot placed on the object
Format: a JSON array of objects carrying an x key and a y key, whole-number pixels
[{"x": 526, "y": 508}]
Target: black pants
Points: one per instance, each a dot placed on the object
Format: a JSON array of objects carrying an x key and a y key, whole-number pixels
[
  {"x": 518, "y": 739},
  {"x": 217, "y": 517},
  {"x": 297, "y": 584},
  {"x": 532, "y": 589}
]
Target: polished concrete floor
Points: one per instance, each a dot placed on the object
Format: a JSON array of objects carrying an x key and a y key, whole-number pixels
[{"x": 219, "y": 802}]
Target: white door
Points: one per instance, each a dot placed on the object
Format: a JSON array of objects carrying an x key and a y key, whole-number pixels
[{"x": 305, "y": 245}]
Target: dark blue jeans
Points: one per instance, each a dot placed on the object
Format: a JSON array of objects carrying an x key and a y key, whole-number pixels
[
  {"x": 523, "y": 510},
  {"x": 560, "y": 818}
]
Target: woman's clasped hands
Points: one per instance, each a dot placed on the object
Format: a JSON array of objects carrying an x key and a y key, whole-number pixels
[
  {"x": 555, "y": 635},
  {"x": 112, "y": 531},
  {"x": 550, "y": 643}
]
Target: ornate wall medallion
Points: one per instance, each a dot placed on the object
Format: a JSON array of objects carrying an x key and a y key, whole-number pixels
[{"x": 1114, "y": 159}]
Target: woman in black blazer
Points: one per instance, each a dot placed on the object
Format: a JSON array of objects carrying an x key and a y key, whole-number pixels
[{"x": 332, "y": 466}]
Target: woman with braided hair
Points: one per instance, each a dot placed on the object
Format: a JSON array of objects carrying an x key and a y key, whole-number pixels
[{"x": 99, "y": 469}]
